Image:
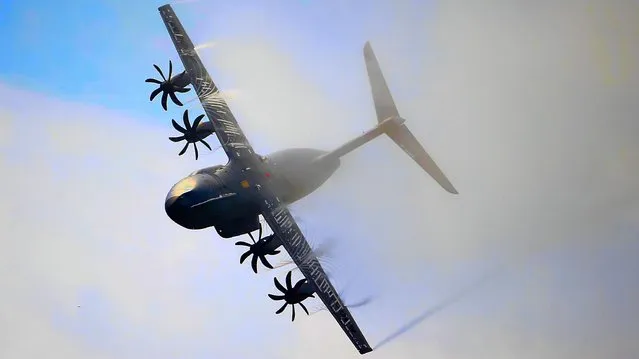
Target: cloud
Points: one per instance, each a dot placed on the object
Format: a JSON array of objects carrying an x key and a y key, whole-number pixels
[
  {"x": 517, "y": 104},
  {"x": 90, "y": 264},
  {"x": 513, "y": 101},
  {"x": 528, "y": 108}
]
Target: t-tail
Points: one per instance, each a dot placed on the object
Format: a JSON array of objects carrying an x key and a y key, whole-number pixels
[{"x": 392, "y": 124}]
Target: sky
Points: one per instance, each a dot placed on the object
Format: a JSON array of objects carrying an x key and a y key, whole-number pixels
[{"x": 528, "y": 107}]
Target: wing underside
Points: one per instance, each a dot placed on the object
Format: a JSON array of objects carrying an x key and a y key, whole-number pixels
[
  {"x": 226, "y": 127},
  {"x": 284, "y": 226},
  {"x": 274, "y": 212}
]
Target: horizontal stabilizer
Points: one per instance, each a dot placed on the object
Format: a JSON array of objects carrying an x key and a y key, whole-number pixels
[
  {"x": 398, "y": 132},
  {"x": 402, "y": 136}
]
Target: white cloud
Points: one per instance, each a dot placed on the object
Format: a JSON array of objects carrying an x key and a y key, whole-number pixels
[
  {"x": 518, "y": 103},
  {"x": 85, "y": 225},
  {"x": 515, "y": 103},
  {"x": 512, "y": 101}
]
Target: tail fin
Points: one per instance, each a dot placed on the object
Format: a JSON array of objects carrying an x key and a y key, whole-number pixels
[{"x": 400, "y": 134}]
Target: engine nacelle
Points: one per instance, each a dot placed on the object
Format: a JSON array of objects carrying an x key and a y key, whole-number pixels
[
  {"x": 204, "y": 129},
  {"x": 181, "y": 79}
]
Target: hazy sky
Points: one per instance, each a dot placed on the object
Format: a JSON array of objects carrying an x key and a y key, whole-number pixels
[{"x": 530, "y": 108}]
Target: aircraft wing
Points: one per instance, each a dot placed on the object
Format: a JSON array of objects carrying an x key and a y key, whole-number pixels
[
  {"x": 284, "y": 226},
  {"x": 274, "y": 212},
  {"x": 226, "y": 127}
]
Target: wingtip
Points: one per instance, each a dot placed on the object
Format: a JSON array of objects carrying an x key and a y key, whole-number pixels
[{"x": 365, "y": 350}]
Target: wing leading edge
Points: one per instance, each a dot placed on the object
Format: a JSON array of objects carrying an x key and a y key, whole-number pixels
[
  {"x": 274, "y": 212},
  {"x": 226, "y": 127},
  {"x": 283, "y": 224}
]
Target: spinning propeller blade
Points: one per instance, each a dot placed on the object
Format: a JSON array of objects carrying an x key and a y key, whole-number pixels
[
  {"x": 261, "y": 248},
  {"x": 169, "y": 86},
  {"x": 192, "y": 133},
  {"x": 301, "y": 291}
]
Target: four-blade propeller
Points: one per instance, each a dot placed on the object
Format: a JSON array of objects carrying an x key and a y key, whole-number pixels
[
  {"x": 169, "y": 86},
  {"x": 260, "y": 249},
  {"x": 293, "y": 294},
  {"x": 191, "y": 133}
]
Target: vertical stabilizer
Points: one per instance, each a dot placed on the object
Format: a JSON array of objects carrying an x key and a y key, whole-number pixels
[
  {"x": 399, "y": 133},
  {"x": 384, "y": 104}
]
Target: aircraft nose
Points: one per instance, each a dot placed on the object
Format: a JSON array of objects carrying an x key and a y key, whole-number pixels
[
  {"x": 181, "y": 198},
  {"x": 177, "y": 208},
  {"x": 174, "y": 205}
]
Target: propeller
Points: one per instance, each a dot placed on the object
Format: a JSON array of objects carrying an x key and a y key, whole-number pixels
[
  {"x": 192, "y": 133},
  {"x": 169, "y": 86},
  {"x": 293, "y": 294},
  {"x": 260, "y": 249}
]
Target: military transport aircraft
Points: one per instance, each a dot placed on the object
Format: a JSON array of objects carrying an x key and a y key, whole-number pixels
[{"x": 231, "y": 197}]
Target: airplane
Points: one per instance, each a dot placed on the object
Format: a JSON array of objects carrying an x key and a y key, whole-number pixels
[{"x": 232, "y": 197}]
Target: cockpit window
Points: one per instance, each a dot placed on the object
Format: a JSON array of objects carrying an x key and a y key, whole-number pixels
[{"x": 208, "y": 170}]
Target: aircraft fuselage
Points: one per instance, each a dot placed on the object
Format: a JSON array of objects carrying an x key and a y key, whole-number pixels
[{"x": 222, "y": 196}]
